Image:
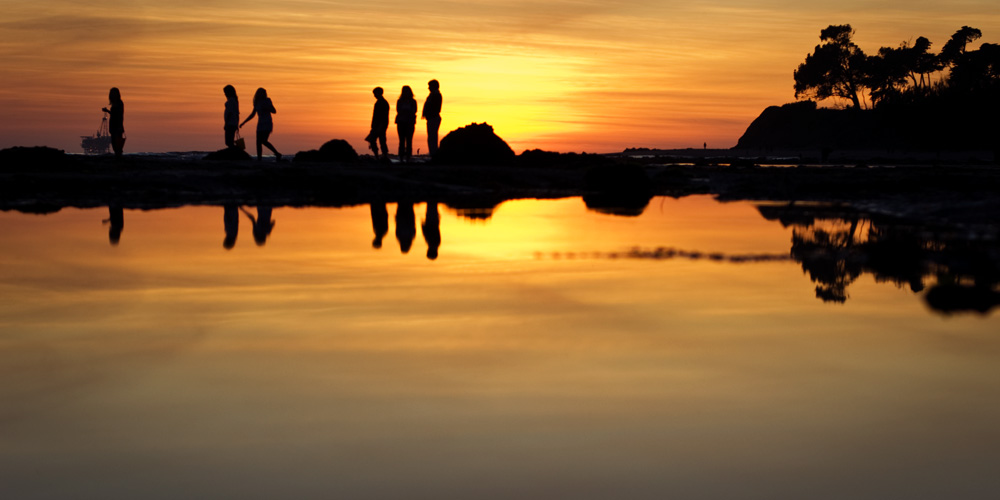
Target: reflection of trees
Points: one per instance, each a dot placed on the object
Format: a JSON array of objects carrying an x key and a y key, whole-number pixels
[{"x": 835, "y": 247}]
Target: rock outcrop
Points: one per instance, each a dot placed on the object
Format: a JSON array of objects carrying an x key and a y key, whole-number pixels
[{"x": 474, "y": 144}]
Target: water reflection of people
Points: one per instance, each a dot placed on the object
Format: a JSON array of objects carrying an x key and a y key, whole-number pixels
[
  {"x": 431, "y": 227},
  {"x": 406, "y": 226},
  {"x": 262, "y": 224},
  {"x": 231, "y": 222},
  {"x": 380, "y": 223},
  {"x": 116, "y": 216}
]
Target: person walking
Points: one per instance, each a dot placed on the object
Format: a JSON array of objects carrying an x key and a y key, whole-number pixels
[
  {"x": 380, "y": 123},
  {"x": 406, "y": 122},
  {"x": 263, "y": 108},
  {"x": 432, "y": 113}
]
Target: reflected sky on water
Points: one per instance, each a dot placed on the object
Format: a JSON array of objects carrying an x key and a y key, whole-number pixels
[{"x": 535, "y": 349}]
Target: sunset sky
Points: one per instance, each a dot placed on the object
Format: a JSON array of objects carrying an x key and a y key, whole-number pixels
[{"x": 579, "y": 75}]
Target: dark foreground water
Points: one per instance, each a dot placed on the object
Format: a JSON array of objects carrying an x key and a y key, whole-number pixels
[{"x": 537, "y": 350}]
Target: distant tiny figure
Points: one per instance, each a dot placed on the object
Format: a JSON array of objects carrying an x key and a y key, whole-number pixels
[
  {"x": 116, "y": 123},
  {"x": 262, "y": 224},
  {"x": 232, "y": 115},
  {"x": 263, "y": 108},
  {"x": 380, "y": 223},
  {"x": 406, "y": 122},
  {"x": 431, "y": 227},
  {"x": 432, "y": 113},
  {"x": 380, "y": 123},
  {"x": 704, "y": 145}
]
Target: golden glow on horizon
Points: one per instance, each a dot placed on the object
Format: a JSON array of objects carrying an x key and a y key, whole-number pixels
[{"x": 564, "y": 75}]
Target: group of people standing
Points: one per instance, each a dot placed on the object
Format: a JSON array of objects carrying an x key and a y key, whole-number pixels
[
  {"x": 263, "y": 108},
  {"x": 406, "y": 121}
]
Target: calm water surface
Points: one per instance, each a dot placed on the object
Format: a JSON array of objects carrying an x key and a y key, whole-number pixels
[{"x": 538, "y": 350}]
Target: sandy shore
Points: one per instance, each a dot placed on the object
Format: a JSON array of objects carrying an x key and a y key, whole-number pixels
[{"x": 957, "y": 193}]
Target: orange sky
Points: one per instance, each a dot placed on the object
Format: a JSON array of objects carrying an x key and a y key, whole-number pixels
[{"x": 561, "y": 75}]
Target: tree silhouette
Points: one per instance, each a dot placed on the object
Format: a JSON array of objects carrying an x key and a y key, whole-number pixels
[
  {"x": 887, "y": 73},
  {"x": 955, "y": 47},
  {"x": 922, "y": 62},
  {"x": 836, "y": 68}
]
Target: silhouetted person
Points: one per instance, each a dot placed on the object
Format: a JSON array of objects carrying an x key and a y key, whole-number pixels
[
  {"x": 431, "y": 228},
  {"x": 262, "y": 224},
  {"x": 380, "y": 123},
  {"x": 116, "y": 216},
  {"x": 263, "y": 108},
  {"x": 406, "y": 226},
  {"x": 380, "y": 223},
  {"x": 231, "y": 222},
  {"x": 406, "y": 122},
  {"x": 432, "y": 113},
  {"x": 232, "y": 115},
  {"x": 116, "y": 121}
]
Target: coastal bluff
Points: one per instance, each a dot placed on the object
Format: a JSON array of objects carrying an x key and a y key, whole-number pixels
[{"x": 804, "y": 126}]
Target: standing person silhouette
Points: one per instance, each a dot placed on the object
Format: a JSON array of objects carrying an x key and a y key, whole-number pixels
[
  {"x": 380, "y": 123},
  {"x": 116, "y": 123},
  {"x": 263, "y": 108},
  {"x": 406, "y": 121},
  {"x": 232, "y": 115},
  {"x": 432, "y": 113}
]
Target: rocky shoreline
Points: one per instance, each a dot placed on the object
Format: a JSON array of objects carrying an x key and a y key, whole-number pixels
[{"x": 36, "y": 180}]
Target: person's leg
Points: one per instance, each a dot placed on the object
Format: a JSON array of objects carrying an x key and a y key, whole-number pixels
[
  {"x": 401, "y": 132},
  {"x": 118, "y": 145},
  {"x": 262, "y": 140},
  {"x": 384, "y": 144},
  {"x": 432, "y": 135},
  {"x": 408, "y": 137},
  {"x": 230, "y": 138}
]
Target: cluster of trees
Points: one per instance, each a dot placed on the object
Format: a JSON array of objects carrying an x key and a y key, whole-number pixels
[{"x": 839, "y": 68}]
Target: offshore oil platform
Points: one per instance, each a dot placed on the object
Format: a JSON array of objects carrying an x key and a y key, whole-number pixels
[{"x": 100, "y": 142}]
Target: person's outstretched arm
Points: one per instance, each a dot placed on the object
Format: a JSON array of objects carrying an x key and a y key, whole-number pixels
[{"x": 252, "y": 114}]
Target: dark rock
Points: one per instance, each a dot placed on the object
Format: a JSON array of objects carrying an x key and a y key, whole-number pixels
[
  {"x": 536, "y": 158},
  {"x": 474, "y": 144},
  {"x": 333, "y": 151},
  {"x": 38, "y": 157},
  {"x": 228, "y": 154}
]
